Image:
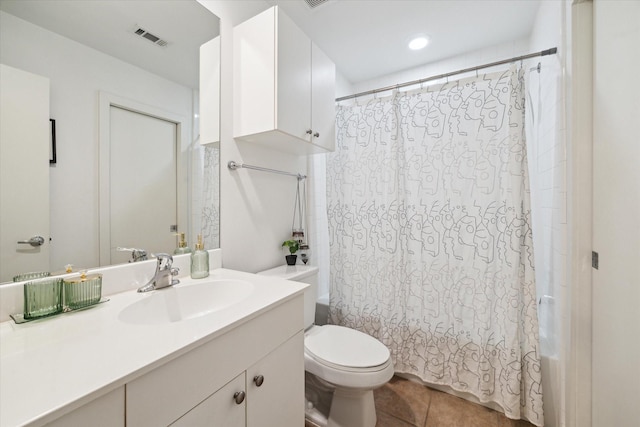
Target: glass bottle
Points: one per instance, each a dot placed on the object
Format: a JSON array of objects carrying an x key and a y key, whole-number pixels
[
  {"x": 182, "y": 246},
  {"x": 199, "y": 261}
]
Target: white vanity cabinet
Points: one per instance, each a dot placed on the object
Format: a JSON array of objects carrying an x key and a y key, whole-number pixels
[
  {"x": 105, "y": 411},
  {"x": 275, "y": 387},
  {"x": 269, "y": 393},
  {"x": 284, "y": 86},
  {"x": 226, "y": 408},
  {"x": 202, "y": 383}
]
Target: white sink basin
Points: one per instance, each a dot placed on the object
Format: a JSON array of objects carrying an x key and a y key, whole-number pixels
[{"x": 186, "y": 301}]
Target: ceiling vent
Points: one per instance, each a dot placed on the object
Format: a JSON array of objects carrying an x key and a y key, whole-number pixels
[
  {"x": 152, "y": 38},
  {"x": 315, "y": 3}
]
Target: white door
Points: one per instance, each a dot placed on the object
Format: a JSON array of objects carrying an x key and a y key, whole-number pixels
[
  {"x": 616, "y": 215},
  {"x": 143, "y": 190},
  {"x": 24, "y": 171}
]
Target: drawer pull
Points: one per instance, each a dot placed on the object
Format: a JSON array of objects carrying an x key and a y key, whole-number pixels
[
  {"x": 239, "y": 397},
  {"x": 317, "y": 134},
  {"x": 258, "y": 380}
]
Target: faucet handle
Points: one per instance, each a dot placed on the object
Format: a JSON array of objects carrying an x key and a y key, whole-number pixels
[
  {"x": 174, "y": 272},
  {"x": 164, "y": 261}
]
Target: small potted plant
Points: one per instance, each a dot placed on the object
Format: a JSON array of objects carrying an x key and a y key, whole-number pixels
[{"x": 293, "y": 248}]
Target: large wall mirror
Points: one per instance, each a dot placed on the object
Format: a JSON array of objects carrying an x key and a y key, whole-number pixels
[{"x": 131, "y": 168}]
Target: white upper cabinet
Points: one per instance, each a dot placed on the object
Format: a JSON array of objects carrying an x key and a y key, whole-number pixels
[
  {"x": 284, "y": 86},
  {"x": 323, "y": 94}
]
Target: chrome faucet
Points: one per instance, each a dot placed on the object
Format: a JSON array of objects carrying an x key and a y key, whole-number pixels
[
  {"x": 163, "y": 276},
  {"x": 136, "y": 254}
]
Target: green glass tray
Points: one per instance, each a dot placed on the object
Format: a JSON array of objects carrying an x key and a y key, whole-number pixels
[{"x": 19, "y": 317}]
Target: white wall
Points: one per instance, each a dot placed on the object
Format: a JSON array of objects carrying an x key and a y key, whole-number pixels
[
  {"x": 256, "y": 207},
  {"x": 616, "y": 211},
  {"x": 470, "y": 59},
  {"x": 343, "y": 86},
  {"x": 77, "y": 73}
]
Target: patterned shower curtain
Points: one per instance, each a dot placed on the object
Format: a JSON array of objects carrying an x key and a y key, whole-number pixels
[{"x": 430, "y": 236}]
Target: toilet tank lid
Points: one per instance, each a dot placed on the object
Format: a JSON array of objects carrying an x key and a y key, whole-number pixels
[{"x": 291, "y": 272}]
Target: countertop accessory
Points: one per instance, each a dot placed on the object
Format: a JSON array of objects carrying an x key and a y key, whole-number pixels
[
  {"x": 19, "y": 317},
  {"x": 42, "y": 298},
  {"x": 31, "y": 276},
  {"x": 199, "y": 261},
  {"x": 82, "y": 291},
  {"x": 182, "y": 246}
]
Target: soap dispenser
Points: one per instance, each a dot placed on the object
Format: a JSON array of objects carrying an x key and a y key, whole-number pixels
[
  {"x": 182, "y": 246},
  {"x": 199, "y": 261}
]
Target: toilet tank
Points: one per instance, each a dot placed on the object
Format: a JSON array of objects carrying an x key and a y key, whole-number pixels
[{"x": 300, "y": 273}]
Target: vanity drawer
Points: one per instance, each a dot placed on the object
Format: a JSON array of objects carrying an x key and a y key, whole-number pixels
[{"x": 171, "y": 390}]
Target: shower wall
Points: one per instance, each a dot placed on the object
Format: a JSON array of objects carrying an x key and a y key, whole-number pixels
[{"x": 546, "y": 137}]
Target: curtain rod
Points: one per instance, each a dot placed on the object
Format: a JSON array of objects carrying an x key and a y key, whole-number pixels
[
  {"x": 546, "y": 52},
  {"x": 233, "y": 166}
]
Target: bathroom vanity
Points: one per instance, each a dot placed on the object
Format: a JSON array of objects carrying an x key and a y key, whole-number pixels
[{"x": 132, "y": 361}]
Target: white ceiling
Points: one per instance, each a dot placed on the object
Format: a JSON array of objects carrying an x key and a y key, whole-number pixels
[
  {"x": 107, "y": 25},
  {"x": 365, "y": 38},
  {"x": 368, "y": 38}
]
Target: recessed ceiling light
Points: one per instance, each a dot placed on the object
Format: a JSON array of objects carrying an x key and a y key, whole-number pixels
[{"x": 418, "y": 43}]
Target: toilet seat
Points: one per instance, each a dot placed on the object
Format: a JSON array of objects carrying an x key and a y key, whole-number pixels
[
  {"x": 345, "y": 348},
  {"x": 346, "y": 357}
]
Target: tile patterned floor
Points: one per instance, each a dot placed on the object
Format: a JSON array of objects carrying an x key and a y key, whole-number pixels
[{"x": 402, "y": 403}]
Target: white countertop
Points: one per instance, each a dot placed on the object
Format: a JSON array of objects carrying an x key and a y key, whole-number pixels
[{"x": 52, "y": 365}]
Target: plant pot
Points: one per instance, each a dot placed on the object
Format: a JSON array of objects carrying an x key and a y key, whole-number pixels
[{"x": 291, "y": 259}]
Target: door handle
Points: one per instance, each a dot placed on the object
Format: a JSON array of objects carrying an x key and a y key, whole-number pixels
[{"x": 35, "y": 241}]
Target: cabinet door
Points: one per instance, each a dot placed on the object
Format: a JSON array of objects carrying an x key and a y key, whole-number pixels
[
  {"x": 279, "y": 399},
  {"x": 220, "y": 409},
  {"x": 293, "y": 86},
  {"x": 323, "y": 110}
]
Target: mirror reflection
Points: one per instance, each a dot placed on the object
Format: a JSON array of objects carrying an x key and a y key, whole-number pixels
[{"x": 131, "y": 168}]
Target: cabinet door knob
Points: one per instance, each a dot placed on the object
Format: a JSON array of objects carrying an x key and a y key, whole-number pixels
[
  {"x": 317, "y": 134},
  {"x": 239, "y": 397},
  {"x": 309, "y": 132},
  {"x": 258, "y": 380}
]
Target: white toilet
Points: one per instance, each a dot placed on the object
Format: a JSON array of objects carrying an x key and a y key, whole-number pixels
[{"x": 343, "y": 366}]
